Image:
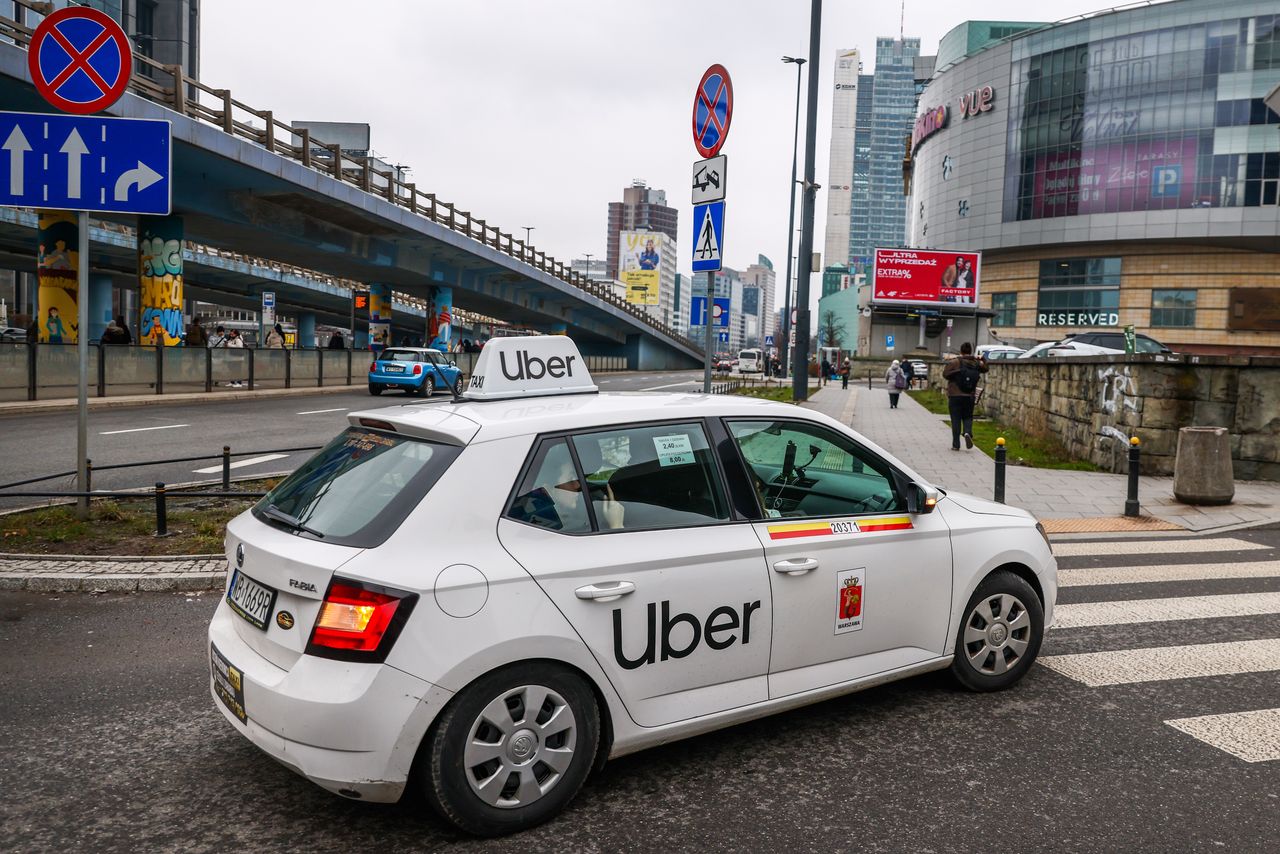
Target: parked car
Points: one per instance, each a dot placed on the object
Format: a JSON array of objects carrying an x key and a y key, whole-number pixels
[
  {"x": 1104, "y": 344},
  {"x": 920, "y": 372},
  {"x": 12, "y": 333},
  {"x": 1039, "y": 351},
  {"x": 417, "y": 370},
  {"x": 999, "y": 351}
]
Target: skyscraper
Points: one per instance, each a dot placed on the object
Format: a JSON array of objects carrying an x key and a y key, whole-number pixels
[
  {"x": 641, "y": 209},
  {"x": 840, "y": 171}
]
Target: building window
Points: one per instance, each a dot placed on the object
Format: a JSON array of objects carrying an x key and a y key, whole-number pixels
[
  {"x": 1079, "y": 292},
  {"x": 1173, "y": 308},
  {"x": 1006, "y": 309}
]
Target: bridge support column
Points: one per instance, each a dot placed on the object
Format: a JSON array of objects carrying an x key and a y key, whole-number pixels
[
  {"x": 57, "y": 263},
  {"x": 379, "y": 316},
  {"x": 558, "y": 329},
  {"x": 100, "y": 288},
  {"x": 160, "y": 280},
  {"x": 440, "y": 319},
  {"x": 306, "y": 329}
]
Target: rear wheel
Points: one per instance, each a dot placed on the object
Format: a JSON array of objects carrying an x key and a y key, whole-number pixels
[
  {"x": 512, "y": 749},
  {"x": 375, "y": 390},
  {"x": 427, "y": 388},
  {"x": 1000, "y": 635}
]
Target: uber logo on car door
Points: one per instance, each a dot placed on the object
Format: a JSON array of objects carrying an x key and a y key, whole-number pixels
[{"x": 849, "y": 593}]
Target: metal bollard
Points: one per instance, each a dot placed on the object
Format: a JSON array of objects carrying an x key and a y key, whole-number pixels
[
  {"x": 162, "y": 511},
  {"x": 868, "y": 379},
  {"x": 1001, "y": 454},
  {"x": 88, "y": 475},
  {"x": 1131, "y": 501},
  {"x": 226, "y": 468}
]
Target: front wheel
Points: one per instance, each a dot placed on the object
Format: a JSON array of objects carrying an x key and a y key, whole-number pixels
[
  {"x": 512, "y": 749},
  {"x": 1000, "y": 635}
]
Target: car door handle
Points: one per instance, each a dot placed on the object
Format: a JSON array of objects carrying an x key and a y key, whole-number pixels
[
  {"x": 605, "y": 591},
  {"x": 797, "y": 566}
]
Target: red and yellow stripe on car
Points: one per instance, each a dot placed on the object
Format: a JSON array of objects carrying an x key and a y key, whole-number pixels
[{"x": 830, "y": 529}]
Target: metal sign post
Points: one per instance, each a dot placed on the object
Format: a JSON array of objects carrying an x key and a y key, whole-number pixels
[
  {"x": 82, "y": 357},
  {"x": 709, "y": 326}
]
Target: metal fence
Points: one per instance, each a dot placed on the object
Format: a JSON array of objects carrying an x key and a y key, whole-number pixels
[{"x": 50, "y": 371}]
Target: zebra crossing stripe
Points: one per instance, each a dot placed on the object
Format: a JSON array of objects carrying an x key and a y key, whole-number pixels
[
  {"x": 1180, "y": 572},
  {"x": 1157, "y": 664},
  {"x": 1155, "y": 547},
  {"x": 1165, "y": 610},
  {"x": 1251, "y": 736}
]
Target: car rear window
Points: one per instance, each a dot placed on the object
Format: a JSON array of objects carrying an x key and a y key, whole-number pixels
[
  {"x": 359, "y": 488},
  {"x": 400, "y": 356}
]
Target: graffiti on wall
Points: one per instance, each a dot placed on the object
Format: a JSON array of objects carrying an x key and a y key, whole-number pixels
[
  {"x": 160, "y": 281},
  {"x": 379, "y": 316},
  {"x": 440, "y": 320},
  {"x": 57, "y": 266},
  {"x": 1117, "y": 393}
]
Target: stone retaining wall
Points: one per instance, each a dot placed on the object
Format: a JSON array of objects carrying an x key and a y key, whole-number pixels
[{"x": 1093, "y": 405}]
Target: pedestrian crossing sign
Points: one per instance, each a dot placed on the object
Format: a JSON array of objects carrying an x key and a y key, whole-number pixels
[{"x": 708, "y": 236}]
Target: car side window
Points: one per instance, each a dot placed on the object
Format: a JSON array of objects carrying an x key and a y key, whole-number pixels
[
  {"x": 651, "y": 476},
  {"x": 802, "y": 470},
  {"x": 550, "y": 494},
  {"x": 1148, "y": 345}
]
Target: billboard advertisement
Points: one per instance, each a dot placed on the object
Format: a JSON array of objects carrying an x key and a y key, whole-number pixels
[
  {"x": 922, "y": 276},
  {"x": 640, "y": 265}
]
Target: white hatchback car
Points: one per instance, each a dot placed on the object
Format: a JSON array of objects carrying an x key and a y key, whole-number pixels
[{"x": 494, "y": 595}]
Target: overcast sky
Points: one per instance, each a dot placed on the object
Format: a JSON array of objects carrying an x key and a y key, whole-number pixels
[{"x": 539, "y": 113}]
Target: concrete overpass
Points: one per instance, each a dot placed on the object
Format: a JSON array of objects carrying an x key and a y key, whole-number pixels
[{"x": 247, "y": 182}]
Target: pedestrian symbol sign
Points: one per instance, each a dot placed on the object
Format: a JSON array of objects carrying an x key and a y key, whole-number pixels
[
  {"x": 768, "y": 340},
  {"x": 708, "y": 238}
]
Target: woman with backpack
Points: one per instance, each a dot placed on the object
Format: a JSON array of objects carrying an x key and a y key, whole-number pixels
[
  {"x": 896, "y": 379},
  {"x": 963, "y": 374}
]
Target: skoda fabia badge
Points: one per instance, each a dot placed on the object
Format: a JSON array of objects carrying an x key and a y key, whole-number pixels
[{"x": 240, "y": 556}]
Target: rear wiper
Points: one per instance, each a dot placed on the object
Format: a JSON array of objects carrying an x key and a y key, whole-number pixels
[{"x": 273, "y": 512}]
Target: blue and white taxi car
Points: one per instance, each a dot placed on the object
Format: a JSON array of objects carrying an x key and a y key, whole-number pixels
[
  {"x": 496, "y": 594},
  {"x": 417, "y": 370}
]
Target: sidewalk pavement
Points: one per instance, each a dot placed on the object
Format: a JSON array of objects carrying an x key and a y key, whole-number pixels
[{"x": 1066, "y": 501}]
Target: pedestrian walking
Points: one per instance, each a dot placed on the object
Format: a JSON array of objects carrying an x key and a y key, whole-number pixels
[
  {"x": 909, "y": 371},
  {"x": 963, "y": 374},
  {"x": 125, "y": 335},
  {"x": 235, "y": 342},
  {"x": 896, "y": 380},
  {"x": 197, "y": 335},
  {"x": 275, "y": 338},
  {"x": 845, "y": 368},
  {"x": 336, "y": 342},
  {"x": 826, "y": 370}
]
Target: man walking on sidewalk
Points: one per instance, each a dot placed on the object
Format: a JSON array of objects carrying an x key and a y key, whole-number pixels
[{"x": 962, "y": 374}]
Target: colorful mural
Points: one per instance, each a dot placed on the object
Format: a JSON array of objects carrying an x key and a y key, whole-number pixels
[
  {"x": 440, "y": 320},
  {"x": 379, "y": 316},
  {"x": 160, "y": 280},
  {"x": 57, "y": 266}
]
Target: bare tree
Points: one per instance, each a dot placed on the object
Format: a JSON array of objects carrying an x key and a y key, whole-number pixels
[{"x": 831, "y": 329}]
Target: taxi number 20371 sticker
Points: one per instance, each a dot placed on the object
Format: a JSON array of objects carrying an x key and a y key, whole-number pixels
[
  {"x": 228, "y": 683},
  {"x": 847, "y": 526},
  {"x": 850, "y": 592}
]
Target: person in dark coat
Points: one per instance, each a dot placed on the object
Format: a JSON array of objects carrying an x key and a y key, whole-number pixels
[
  {"x": 336, "y": 342},
  {"x": 125, "y": 335},
  {"x": 962, "y": 374}
]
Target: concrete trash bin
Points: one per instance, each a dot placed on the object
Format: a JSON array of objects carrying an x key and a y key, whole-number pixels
[{"x": 1202, "y": 469}]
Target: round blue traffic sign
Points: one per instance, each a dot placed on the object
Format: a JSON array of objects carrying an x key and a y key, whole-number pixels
[
  {"x": 80, "y": 60},
  {"x": 712, "y": 110}
]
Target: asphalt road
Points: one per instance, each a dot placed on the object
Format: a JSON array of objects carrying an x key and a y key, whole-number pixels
[
  {"x": 112, "y": 743},
  {"x": 35, "y": 445}
]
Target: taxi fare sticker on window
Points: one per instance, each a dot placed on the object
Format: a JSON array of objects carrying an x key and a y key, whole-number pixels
[
  {"x": 368, "y": 442},
  {"x": 843, "y": 526},
  {"x": 674, "y": 450},
  {"x": 850, "y": 585}
]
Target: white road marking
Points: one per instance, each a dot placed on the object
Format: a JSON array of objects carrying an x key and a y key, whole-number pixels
[
  {"x": 142, "y": 429},
  {"x": 318, "y": 411},
  {"x": 239, "y": 464},
  {"x": 669, "y": 385},
  {"x": 1179, "y": 572},
  {"x": 1165, "y": 610},
  {"x": 1154, "y": 547},
  {"x": 1251, "y": 736},
  {"x": 1157, "y": 664}
]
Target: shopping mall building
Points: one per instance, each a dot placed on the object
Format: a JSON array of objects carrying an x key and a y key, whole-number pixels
[{"x": 1117, "y": 169}]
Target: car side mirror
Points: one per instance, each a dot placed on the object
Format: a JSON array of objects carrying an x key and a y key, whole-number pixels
[
  {"x": 452, "y": 363},
  {"x": 921, "y": 499}
]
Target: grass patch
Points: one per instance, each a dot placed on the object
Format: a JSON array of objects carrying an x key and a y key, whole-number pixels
[
  {"x": 1023, "y": 450},
  {"x": 782, "y": 393},
  {"x": 127, "y": 526}
]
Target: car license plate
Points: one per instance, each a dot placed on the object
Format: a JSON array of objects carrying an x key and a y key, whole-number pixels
[
  {"x": 394, "y": 369},
  {"x": 251, "y": 600},
  {"x": 228, "y": 683}
]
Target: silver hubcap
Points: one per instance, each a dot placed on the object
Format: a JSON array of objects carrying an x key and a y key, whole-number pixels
[
  {"x": 520, "y": 746},
  {"x": 997, "y": 634}
]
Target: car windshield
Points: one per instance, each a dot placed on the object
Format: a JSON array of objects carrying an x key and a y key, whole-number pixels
[
  {"x": 400, "y": 356},
  {"x": 359, "y": 487},
  {"x": 1149, "y": 345}
]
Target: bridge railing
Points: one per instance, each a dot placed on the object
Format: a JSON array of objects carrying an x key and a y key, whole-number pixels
[{"x": 170, "y": 85}]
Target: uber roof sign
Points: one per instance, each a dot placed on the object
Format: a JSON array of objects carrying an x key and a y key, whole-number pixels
[{"x": 529, "y": 365}]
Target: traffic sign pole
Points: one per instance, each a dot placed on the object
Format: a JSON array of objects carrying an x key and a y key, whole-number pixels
[
  {"x": 82, "y": 354},
  {"x": 706, "y": 357}
]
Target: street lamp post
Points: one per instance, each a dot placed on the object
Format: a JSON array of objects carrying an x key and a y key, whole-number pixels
[
  {"x": 791, "y": 223},
  {"x": 589, "y": 256},
  {"x": 528, "y": 233}
]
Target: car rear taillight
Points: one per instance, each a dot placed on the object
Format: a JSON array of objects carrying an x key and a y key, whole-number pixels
[
  {"x": 417, "y": 370},
  {"x": 373, "y": 367},
  {"x": 359, "y": 621}
]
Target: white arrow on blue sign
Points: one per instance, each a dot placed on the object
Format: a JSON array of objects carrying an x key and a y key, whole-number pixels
[{"x": 85, "y": 163}]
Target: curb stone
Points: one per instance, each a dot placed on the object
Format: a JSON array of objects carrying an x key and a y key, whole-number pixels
[{"x": 111, "y": 573}]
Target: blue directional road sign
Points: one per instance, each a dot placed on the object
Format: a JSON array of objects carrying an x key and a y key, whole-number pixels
[
  {"x": 723, "y": 337},
  {"x": 698, "y": 311},
  {"x": 708, "y": 236},
  {"x": 85, "y": 163}
]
